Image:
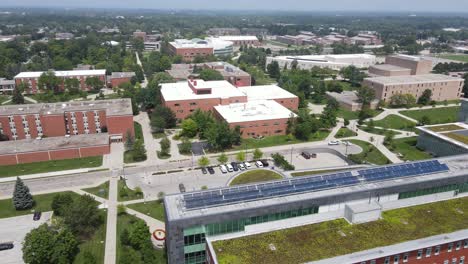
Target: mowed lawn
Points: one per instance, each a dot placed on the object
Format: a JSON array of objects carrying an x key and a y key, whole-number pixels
[
  {"x": 50, "y": 166},
  {"x": 455, "y": 57},
  {"x": 250, "y": 143},
  {"x": 95, "y": 245},
  {"x": 436, "y": 115},
  {"x": 407, "y": 148},
  {"x": 369, "y": 154},
  {"x": 255, "y": 176},
  {"x": 154, "y": 209},
  {"x": 395, "y": 122}
]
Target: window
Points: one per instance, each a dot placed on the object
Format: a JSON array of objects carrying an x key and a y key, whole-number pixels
[
  {"x": 437, "y": 250},
  {"x": 446, "y": 262},
  {"x": 465, "y": 244},
  {"x": 458, "y": 246},
  {"x": 419, "y": 254},
  {"x": 454, "y": 261},
  {"x": 428, "y": 252},
  {"x": 450, "y": 247},
  {"x": 387, "y": 260},
  {"x": 405, "y": 257},
  {"x": 176, "y": 104},
  {"x": 396, "y": 259},
  {"x": 462, "y": 260}
]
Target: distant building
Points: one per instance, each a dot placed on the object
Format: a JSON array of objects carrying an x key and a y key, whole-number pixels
[
  {"x": 262, "y": 32},
  {"x": 64, "y": 36},
  {"x": 8, "y": 38},
  {"x": 139, "y": 34},
  {"x": 366, "y": 39},
  {"x": 223, "y": 31},
  {"x": 232, "y": 74},
  {"x": 32, "y": 78},
  {"x": 242, "y": 40},
  {"x": 334, "y": 62},
  {"x": 221, "y": 47},
  {"x": 107, "y": 30},
  {"x": 6, "y": 86},
  {"x": 349, "y": 100},
  {"x": 398, "y": 65},
  {"x": 117, "y": 78},
  {"x": 189, "y": 49},
  {"x": 152, "y": 45}
]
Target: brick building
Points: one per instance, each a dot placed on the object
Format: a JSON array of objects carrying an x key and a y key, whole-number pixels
[
  {"x": 117, "y": 78},
  {"x": 189, "y": 49},
  {"x": 53, "y": 148},
  {"x": 32, "y": 78},
  {"x": 230, "y": 73},
  {"x": 32, "y": 121},
  {"x": 6, "y": 86},
  {"x": 401, "y": 65}
]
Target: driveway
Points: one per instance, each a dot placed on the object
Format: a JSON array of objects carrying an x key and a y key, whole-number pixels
[{"x": 15, "y": 229}]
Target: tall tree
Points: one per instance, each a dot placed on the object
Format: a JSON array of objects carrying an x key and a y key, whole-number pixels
[
  {"x": 273, "y": 70},
  {"x": 18, "y": 97},
  {"x": 139, "y": 151},
  {"x": 82, "y": 216},
  {"x": 210, "y": 75},
  {"x": 94, "y": 83},
  {"x": 365, "y": 95},
  {"x": 425, "y": 98},
  {"x": 49, "y": 82},
  {"x": 22, "y": 198}
]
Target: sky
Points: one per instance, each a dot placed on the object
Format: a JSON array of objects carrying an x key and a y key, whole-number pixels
[{"x": 280, "y": 5}]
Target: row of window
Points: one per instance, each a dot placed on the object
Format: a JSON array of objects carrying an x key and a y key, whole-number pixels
[{"x": 460, "y": 188}]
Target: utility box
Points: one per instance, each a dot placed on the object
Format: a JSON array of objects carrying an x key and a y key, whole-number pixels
[{"x": 362, "y": 213}]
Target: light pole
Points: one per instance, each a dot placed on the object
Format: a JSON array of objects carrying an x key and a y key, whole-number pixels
[{"x": 292, "y": 148}]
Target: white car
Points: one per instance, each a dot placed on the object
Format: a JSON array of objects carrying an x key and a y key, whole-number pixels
[
  {"x": 247, "y": 165},
  {"x": 241, "y": 166},
  {"x": 347, "y": 143},
  {"x": 223, "y": 169},
  {"x": 229, "y": 167},
  {"x": 259, "y": 164},
  {"x": 333, "y": 143}
]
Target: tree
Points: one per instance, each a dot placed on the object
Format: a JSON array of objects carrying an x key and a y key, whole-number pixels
[
  {"x": 346, "y": 122},
  {"x": 222, "y": 158},
  {"x": 210, "y": 75},
  {"x": 61, "y": 202},
  {"x": 125, "y": 237},
  {"x": 165, "y": 146},
  {"x": 203, "y": 120},
  {"x": 424, "y": 120},
  {"x": 402, "y": 100},
  {"x": 138, "y": 234},
  {"x": 240, "y": 156},
  {"x": 189, "y": 128},
  {"x": 72, "y": 85},
  {"x": 158, "y": 124},
  {"x": 139, "y": 151},
  {"x": 83, "y": 216},
  {"x": 353, "y": 75},
  {"x": 161, "y": 196},
  {"x": 273, "y": 70},
  {"x": 389, "y": 136},
  {"x": 22, "y": 198},
  {"x": 365, "y": 95},
  {"x": 257, "y": 154},
  {"x": 18, "y": 97},
  {"x": 203, "y": 161},
  {"x": 129, "y": 141},
  {"x": 49, "y": 82},
  {"x": 425, "y": 98},
  {"x": 47, "y": 245},
  {"x": 328, "y": 117},
  {"x": 94, "y": 83},
  {"x": 89, "y": 258},
  {"x": 220, "y": 136},
  {"x": 167, "y": 114}
]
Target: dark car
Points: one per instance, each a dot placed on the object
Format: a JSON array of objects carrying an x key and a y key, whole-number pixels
[
  {"x": 37, "y": 216},
  {"x": 306, "y": 155},
  {"x": 6, "y": 246},
  {"x": 234, "y": 166},
  {"x": 265, "y": 163},
  {"x": 181, "y": 187},
  {"x": 211, "y": 170},
  {"x": 204, "y": 170}
]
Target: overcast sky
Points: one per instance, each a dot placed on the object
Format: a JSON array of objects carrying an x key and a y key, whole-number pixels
[{"x": 303, "y": 5}]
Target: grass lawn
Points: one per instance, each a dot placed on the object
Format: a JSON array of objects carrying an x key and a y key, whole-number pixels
[
  {"x": 377, "y": 131},
  {"x": 458, "y": 137},
  {"x": 123, "y": 222},
  {"x": 43, "y": 203},
  {"x": 250, "y": 143},
  {"x": 128, "y": 157},
  {"x": 370, "y": 154},
  {"x": 445, "y": 128},
  {"x": 407, "y": 148},
  {"x": 338, "y": 237},
  {"x": 255, "y": 176},
  {"x": 138, "y": 131},
  {"x": 309, "y": 173},
  {"x": 346, "y": 114},
  {"x": 395, "y": 122},
  {"x": 158, "y": 135},
  {"x": 436, "y": 115},
  {"x": 50, "y": 166},
  {"x": 345, "y": 132},
  {"x": 127, "y": 194},
  {"x": 154, "y": 209},
  {"x": 455, "y": 57},
  {"x": 96, "y": 245},
  {"x": 4, "y": 98},
  {"x": 100, "y": 190}
]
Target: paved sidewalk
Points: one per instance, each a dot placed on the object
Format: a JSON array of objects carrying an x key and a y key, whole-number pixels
[
  {"x": 48, "y": 174},
  {"x": 152, "y": 223},
  {"x": 145, "y": 82}
]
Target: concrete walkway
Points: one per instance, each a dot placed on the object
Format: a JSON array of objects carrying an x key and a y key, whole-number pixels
[
  {"x": 145, "y": 82},
  {"x": 151, "y": 144},
  {"x": 152, "y": 223}
]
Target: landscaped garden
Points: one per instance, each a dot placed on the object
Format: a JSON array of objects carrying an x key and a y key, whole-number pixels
[
  {"x": 255, "y": 176},
  {"x": 369, "y": 154},
  {"x": 350, "y": 115},
  {"x": 335, "y": 238},
  {"x": 408, "y": 150},
  {"x": 50, "y": 166},
  {"x": 250, "y": 143},
  {"x": 435, "y": 115},
  {"x": 127, "y": 194},
  {"x": 445, "y": 128}
]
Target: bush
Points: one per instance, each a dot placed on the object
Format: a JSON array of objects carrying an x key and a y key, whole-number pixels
[
  {"x": 185, "y": 147},
  {"x": 280, "y": 161},
  {"x": 61, "y": 202}
]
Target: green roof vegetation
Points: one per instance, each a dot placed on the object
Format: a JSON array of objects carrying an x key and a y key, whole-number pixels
[
  {"x": 395, "y": 122},
  {"x": 445, "y": 128},
  {"x": 436, "y": 115},
  {"x": 255, "y": 176},
  {"x": 458, "y": 137},
  {"x": 338, "y": 237},
  {"x": 50, "y": 166}
]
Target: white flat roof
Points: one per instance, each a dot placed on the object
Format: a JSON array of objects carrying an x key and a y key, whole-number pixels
[
  {"x": 233, "y": 38},
  {"x": 181, "y": 91},
  {"x": 253, "y": 111},
  {"x": 413, "y": 79},
  {"x": 192, "y": 43},
  {"x": 62, "y": 73},
  {"x": 268, "y": 92}
]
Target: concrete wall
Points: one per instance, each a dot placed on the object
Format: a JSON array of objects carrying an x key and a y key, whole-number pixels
[
  {"x": 417, "y": 66},
  {"x": 437, "y": 146},
  {"x": 382, "y": 72}
]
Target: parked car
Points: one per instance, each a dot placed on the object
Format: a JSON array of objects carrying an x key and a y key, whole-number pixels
[
  {"x": 6, "y": 246},
  {"x": 333, "y": 142},
  {"x": 211, "y": 170},
  {"x": 259, "y": 164},
  {"x": 229, "y": 167},
  {"x": 247, "y": 165},
  {"x": 181, "y": 187},
  {"x": 37, "y": 216},
  {"x": 306, "y": 155},
  {"x": 264, "y": 163},
  {"x": 234, "y": 166},
  {"x": 241, "y": 166},
  {"x": 203, "y": 169},
  {"x": 314, "y": 155},
  {"x": 223, "y": 168},
  {"x": 347, "y": 143}
]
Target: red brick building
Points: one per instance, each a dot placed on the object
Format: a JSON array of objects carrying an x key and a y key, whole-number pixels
[
  {"x": 72, "y": 118},
  {"x": 53, "y": 148},
  {"x": 189, "y": 49},
  {"x": 117, "y": 78},
  {"x": 32, "y": 78}
]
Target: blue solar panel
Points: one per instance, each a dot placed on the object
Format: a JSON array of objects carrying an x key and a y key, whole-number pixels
[{"x": 307, "y": 184}]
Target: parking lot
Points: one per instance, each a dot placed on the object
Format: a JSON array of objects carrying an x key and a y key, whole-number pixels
[{"x": 15, "y": 229}]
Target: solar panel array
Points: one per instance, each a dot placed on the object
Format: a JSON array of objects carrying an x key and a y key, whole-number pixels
[{"x": 307, "y": 184}]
